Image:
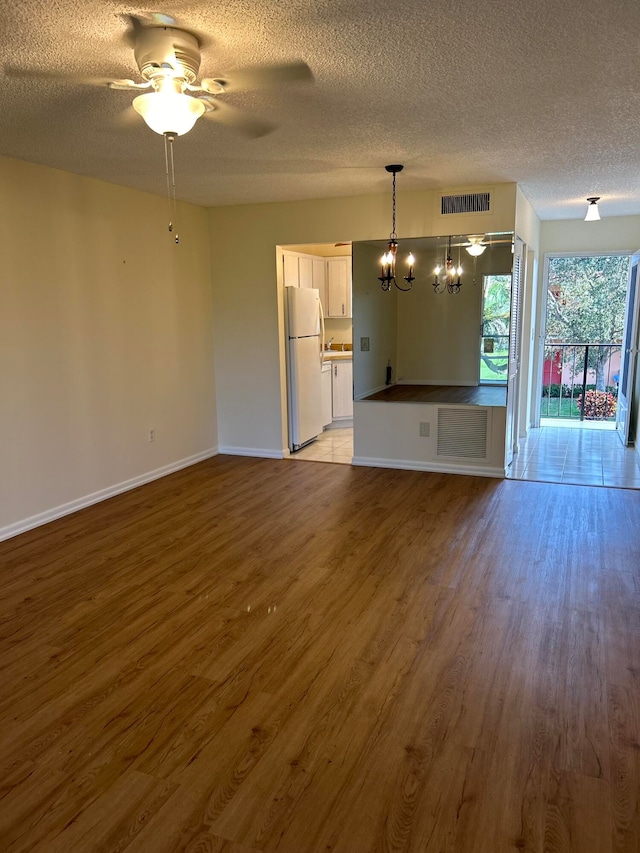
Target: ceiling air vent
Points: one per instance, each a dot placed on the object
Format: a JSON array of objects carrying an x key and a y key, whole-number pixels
[
  {"x": 465, "y": 203},
  {"x": 462, "y": 433}
]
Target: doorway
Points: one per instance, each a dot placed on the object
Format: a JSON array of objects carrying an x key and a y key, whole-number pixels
[
  {"x": 494, "y": 329},
  {"x": 325, "y": 270},
  {"x": 584, "y": 321},
  {"x": 584, "y": 374}
]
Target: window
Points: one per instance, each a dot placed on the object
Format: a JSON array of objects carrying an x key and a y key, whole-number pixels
[{"x": 494, "y": 332}]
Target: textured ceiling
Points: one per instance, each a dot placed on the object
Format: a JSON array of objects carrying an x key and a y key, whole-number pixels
[{"x": 542, "y": 93}]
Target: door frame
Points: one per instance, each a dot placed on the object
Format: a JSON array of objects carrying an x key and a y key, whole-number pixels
[
  {"x": 629, "y": 348},
  {"x": 512, "y": 435},
  {"x": 542, "y": 317}
]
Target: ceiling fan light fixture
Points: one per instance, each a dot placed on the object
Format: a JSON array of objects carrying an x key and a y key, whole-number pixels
[
  {"x": 477, "y": 247},
  {"x": 593, "y": 214},
  {"x": 169, "y": 111}
]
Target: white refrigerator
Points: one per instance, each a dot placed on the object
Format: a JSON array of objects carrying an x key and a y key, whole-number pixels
[{"x": 304, "y": 344}]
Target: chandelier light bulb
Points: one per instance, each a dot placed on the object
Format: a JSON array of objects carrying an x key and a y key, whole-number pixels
[{"x": 411, "y": 260}]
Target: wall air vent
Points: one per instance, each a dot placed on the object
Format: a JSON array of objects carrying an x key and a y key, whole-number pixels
[
  {"x": 465, "y": 203},
  {"x": 462, "y": 433}
]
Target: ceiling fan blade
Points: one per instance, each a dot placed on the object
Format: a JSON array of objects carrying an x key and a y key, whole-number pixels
[
  {"x": 237, "y": 120},
  {"x": 40, "y": 74},
  {"x": 128, "y": 119},
  {"x": 135, "y": 26},
  {"x": 260, "y": 77},
  {"x": 128, "y": 85}
]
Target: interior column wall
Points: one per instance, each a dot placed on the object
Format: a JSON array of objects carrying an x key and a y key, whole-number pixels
[{"x": 248, "y": 328}]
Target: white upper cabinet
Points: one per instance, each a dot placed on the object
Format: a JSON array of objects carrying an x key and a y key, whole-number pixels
[
  {"x": 338, "y": 303},
  {"x": 320, "y": 278},
  {"x": 290, "y": 270},
  {"x": 305, "y": 271},
  {"x": 331, "y": 276}
]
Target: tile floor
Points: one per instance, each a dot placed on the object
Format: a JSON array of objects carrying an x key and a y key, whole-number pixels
[
  {"x": 588, "y": 457},
  {"x": 334, "y": 445}
]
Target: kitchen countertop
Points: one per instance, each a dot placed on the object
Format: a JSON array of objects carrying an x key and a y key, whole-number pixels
[{"x": 337, "y": 355}]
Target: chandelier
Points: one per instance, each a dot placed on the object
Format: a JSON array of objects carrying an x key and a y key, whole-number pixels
[
  {"x": 388, "y": 262},
  {"x": 447, "y": 276}
]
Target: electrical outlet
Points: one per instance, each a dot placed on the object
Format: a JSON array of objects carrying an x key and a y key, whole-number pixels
[
  {"x": 152, "y": 435},
  {"x": 364, "y": 344},
  {"x": 425, "y": 429}
]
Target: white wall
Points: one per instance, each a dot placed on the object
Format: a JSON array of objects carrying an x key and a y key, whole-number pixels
[
  {"x": 248, "y": 329},
  {"x": 105, "y": 333}
]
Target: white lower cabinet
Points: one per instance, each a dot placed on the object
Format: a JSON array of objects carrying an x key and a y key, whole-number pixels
[
  {"x": 342, "y": 389},
  {"x": 327, "y": 408}
]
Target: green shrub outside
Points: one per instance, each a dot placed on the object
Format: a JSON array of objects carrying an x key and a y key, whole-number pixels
[{"x": 554, "y": 390}]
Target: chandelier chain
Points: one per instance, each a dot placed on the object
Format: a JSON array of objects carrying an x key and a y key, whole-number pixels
[{"x": 393, "y": 235}]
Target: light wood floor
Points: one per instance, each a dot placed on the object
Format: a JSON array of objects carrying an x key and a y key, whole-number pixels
[{"x": 259, "y": 655}]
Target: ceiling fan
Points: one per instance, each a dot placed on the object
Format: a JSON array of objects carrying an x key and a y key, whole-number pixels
[
  {"x": 475, "y": 244},
  {"x": 170, "y": 99},
  {"x": 168, "y": 58}
]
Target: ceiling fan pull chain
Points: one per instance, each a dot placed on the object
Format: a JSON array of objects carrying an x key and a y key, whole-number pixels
[{"x": 171, "y": 183}]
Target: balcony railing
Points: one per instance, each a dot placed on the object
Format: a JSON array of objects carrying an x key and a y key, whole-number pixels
[{"x": 570, "y": 370}]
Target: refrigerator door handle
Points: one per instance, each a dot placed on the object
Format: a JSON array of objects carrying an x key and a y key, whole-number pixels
[{"x": 322, "y": 331}]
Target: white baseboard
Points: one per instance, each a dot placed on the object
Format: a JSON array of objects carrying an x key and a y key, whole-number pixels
[
  {"x": 434, "y": 467},
  {"x": 456, "y": 383},
  {"x": 251, "y": 451},
  {"x": 48, "y": 515}
]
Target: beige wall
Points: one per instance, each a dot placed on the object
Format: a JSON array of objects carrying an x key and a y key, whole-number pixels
[
  {"x": 527, "y": 225},
  {"x": 248, "y": 327},
  {"x": 375, "y": 317},
  {"x": 439, "y": 334},
  {"x": 340, "y": 330},
  {"x": 105, "y": 332},
  {"x": 610, "y": 234}
]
